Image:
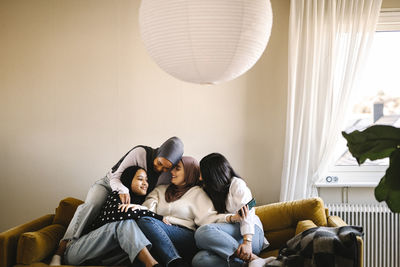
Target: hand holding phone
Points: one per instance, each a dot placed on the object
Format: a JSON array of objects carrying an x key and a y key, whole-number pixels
[{"x": 251, "y": 204}]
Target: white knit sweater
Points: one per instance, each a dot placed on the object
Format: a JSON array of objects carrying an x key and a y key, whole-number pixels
[{"x": 192, "y": 210}]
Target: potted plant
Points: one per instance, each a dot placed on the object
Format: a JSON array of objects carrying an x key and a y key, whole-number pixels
[{"x": 377, "y": 142}]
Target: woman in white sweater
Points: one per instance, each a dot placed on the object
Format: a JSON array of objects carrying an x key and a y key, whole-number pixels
[
  {"x": 236, "y": 242},
  {"x": 184, "y": 206}
]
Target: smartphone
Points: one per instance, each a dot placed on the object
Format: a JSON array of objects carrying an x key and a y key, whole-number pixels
[{"x": 251, "y": 204}]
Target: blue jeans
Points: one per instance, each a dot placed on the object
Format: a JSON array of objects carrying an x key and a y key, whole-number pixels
[
  {"x": 88, "y": 211},
  {"x": 170, "y": 242},
  {"x": 107, "y": 245},
  {"x": 219, "y": 241}
]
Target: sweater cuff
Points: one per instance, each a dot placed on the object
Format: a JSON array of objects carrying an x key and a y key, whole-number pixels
[
  {"x": 123, "y": 190},
  {"x": 247, "y": 229}
]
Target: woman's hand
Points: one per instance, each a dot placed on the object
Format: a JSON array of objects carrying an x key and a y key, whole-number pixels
[
  {"x": 125, "y": 198},
  {"x": 126, "y": 207},
  {"x": 244, "y": 251},
  {"x": 237, "y": 217},
  {"x": 165, "y": 220}
]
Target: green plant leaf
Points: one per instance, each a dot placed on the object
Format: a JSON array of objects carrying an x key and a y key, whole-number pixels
[
  {"x": 393, "y": 172},
  {"x": 375, "y": 142},
  {"x": 382, "y": 190},
  {"x": 388, "y": 189},
  {"x": 394, "y": 201}
]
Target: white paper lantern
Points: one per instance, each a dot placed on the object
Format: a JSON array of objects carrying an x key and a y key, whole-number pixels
[{"x": 205, "y": 41}]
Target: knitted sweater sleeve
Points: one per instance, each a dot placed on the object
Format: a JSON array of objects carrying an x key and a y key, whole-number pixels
[
  {"x": 152, "y": 199},
  {"x": 204, "y": 211},
  {"x": 239, "y": 195}
]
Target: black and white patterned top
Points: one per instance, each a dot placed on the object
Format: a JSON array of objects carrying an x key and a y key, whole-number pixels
[{"x": 110, "y": 213}]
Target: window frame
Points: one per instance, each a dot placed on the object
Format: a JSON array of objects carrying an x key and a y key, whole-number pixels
[
  {"x": 363, "y": 175},
  {"x": 389, "y": 20}
]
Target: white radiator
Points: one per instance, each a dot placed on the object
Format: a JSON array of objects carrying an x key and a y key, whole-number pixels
[{"x": 381, "y": 231}]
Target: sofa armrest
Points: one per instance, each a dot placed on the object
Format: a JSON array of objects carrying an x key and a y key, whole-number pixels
[
  {"x": 9, "y": 238},
  {"x": 336, "y": 221},
  {"x": 304, "y": 225}
]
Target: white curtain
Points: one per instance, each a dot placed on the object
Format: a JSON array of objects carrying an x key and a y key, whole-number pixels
[{"x": 328, "y": 44}]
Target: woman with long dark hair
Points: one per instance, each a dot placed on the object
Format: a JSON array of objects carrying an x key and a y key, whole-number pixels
[
  {"x": 184, "y": 206},
  {"x": 236, "y": 242}
]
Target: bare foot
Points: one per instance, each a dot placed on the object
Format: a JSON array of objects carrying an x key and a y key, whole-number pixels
[{"x": 145, "y": 257}]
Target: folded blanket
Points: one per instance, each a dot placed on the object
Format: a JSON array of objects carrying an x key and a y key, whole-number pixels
[{"x": 321, "y": 247}]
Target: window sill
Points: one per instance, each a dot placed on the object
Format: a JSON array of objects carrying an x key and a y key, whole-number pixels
[
  {"x": 346, "y": 184},
  {"x": 361, "y": 179}
]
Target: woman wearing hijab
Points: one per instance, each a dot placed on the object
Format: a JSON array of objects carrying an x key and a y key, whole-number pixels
[
  {"x": 236, "y": 242},
  {"x": 154, "y": 161},
  {"x": 184, "y": 206}
]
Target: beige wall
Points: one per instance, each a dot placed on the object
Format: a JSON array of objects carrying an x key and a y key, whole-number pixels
[
  {"x": 77, "y": 90},
  {"x": 391, "y": 4}
]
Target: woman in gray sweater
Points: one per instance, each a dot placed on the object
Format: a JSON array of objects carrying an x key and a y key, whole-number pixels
[{"x": 154, "y": 161}]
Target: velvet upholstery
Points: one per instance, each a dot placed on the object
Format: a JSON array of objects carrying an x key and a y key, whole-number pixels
[
  {"x": 280, "y": 219},
  {"x": 65, "y": 211},
  {"x": 9, "y": 238},
  {"x": 304, "y": 225},
  {"x": 38, "y": 245},
  {"x": 33, "y": 243}
]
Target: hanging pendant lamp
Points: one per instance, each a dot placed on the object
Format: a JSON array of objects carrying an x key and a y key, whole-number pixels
[{"x": 205, "y": 41}]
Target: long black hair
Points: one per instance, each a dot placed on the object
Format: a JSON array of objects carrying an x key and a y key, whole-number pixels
[
  {"x": 126, "y": 179},
  {"x": 217, "y": 175}
]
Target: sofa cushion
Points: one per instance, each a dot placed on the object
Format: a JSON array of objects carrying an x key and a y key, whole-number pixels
[
  {"x": 36, "y": 246},
  {"x": 284, "y": 215},
  {"x": 278, "y": 238},
  {"x": 66, "y": 210},
  {"x": 9, "y": 238},
  {"x": 280, "y": 219}
]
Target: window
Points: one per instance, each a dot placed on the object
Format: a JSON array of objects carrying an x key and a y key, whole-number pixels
[{"x": 377, "y": 102}]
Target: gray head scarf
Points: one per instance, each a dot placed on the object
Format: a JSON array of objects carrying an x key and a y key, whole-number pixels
[{"x": 172, "y": 150}]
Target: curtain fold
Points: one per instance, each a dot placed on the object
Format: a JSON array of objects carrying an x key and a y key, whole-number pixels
[{"x": 329, "y": 42}]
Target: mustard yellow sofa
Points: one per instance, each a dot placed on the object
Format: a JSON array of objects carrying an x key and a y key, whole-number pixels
[{"x": 33, "y": 243}]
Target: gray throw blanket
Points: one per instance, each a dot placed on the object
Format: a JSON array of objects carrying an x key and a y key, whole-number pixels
[{"x": 321, "y": 247}]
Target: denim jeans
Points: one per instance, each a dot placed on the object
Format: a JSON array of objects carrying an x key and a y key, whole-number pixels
[
  {"x": 219, "y": 241},
  {"x": 88, "y": 211},
  {"x": 170, "y": 242},
  {"x": 107, "y": 245}
]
